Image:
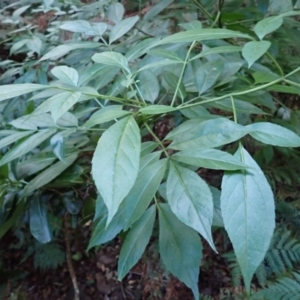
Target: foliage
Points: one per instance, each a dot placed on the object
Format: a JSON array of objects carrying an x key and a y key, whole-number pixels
[
  {"x": 281, "y": 258},
  {"x": 90, "y": 90}
]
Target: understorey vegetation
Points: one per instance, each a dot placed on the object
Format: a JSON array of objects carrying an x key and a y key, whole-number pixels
[{"x": 171, "y": 127}]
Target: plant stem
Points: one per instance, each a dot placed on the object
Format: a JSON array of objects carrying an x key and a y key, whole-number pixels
[
  {"x": 263, "y": 86},
  {"x": 69, "y": 258},
  {"x": 157, "y": 139},
  {"x": 182, "y": 72},
  {"x": 276, "y": 64}
]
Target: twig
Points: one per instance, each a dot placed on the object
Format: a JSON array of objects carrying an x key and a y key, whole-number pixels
[{"x": 69, "y": 258}]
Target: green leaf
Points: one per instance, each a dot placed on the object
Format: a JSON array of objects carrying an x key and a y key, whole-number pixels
[
  {"x": 64, "y": 49},
  {"x": 195, "y": 24},
  {"x": 26, "y": 146},
  {"x": 201, "y": 35},
  {"x": 284, "y": 89},
  {"x": 164, "y": 53},
  {"x": 63, "y": 104},
  {"x": 66, "y": 75},
  {"x": 148, "y": 147},
  {"x": 190, "y": 200},
  {"x": 33, "y": 122},
  {"x": 14, "y": 90},
  {"x": 58, "y": 143},
  {"x": 48, "y": 175},
  {"x": 111, "y": 59},
  {"x": 207, "y": 134},
  {"x": 143, "y": 191},
  {"x": 148, "y": 85},
  {"x": 264, "y": 76},
  {"x": 267, "y": 26},
  {"x": 172, "y": 81},
  {"x": 218, "y": 50},
  {"x": 136, "y": 242},
  {"x": 196, "y": 112},
  {"x": 115, "y": 12},
  {"x": 240, "y": 106},
  {"x": 156, "y": 9},
  {"x": 105, "y": 114},
  {"x": 149, "y": 159},
  {"x": 13, "y": 219},
  {"x": 122, "y": 28},
  {"x": 248, "y": 211},
  {"x": 210, "y": 159},
  {"x": 140, "y": 48},
  {"x": 180, "y": 248},
  {"x": 208, "y": 74},
  {"x": 15, "y": 136},
  {"x": 217, "y": 217},
  {"x": 102, "y": 233},
  {"x": 115, "y": 164},
  {"x": 39, "y": 224},
  {"x": 273, "y": 134},
  {"x": 156, "y": 109},
  {"x": 34, "y": 165},
  {"x": 80, "y": 26},
  {"x": 252, "y": 51}
]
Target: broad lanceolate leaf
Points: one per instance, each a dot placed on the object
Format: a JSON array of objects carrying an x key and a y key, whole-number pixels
[
  {"x": 172, "y": 81},
  {"x": 240, "y": 106},
  {"x": 13, "y": 137},
  {"x": 180, "y": 248},
  {"x": 207, "y": 134},
  {"x": 48, "y": 175},
  {"x": 248, "y": 211},
  {"x": 66, "y": 74},
  {"x": 252, "y": 51},
  {"x": 210, "y": 159},
  {"x": 26, "y": 146},
  {"x": 201, "y": 35},
  {"x": 65, "y": 102},
  {"x": 39, "y": 224},
  {"x": 111, "y": 59},
  {"x": 148, "y": 147},
  {"x": 156, "y": 109},
  {"x": 64, "y": 49},
  {"x": 122, "y": 28},
  {"x": 115, "y": 163},
  {"x": 136, "y": 242},
  {"x": 207, "y": 75},
  {"x": 273, "y": 134},
  {"x": 14, "y": 90},
  {"x": 143, "y": 191},
  {"x": 148, "y": 85},
  {"x": 101, "y": 232},
  {"x": 106, "y": 114},
  {"x": 115, "y": 12},
  {"x": 190, "y": 200},
  {"x": 267, "y": 26}
]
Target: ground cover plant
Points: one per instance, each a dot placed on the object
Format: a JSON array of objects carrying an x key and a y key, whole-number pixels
[{"x": 117, "y": 111}]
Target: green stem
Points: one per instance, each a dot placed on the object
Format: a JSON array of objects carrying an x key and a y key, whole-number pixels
[
  {"x": 292, "y": 83},
  {"x": 157, "y": 139},
  {"x": 233, "y": 109},
  {"x": 276, "y": 64},
  {"x": 182, "y": 72},
  {"x": 263, "y": 86},
  {"x": 203, "y": 10}
]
